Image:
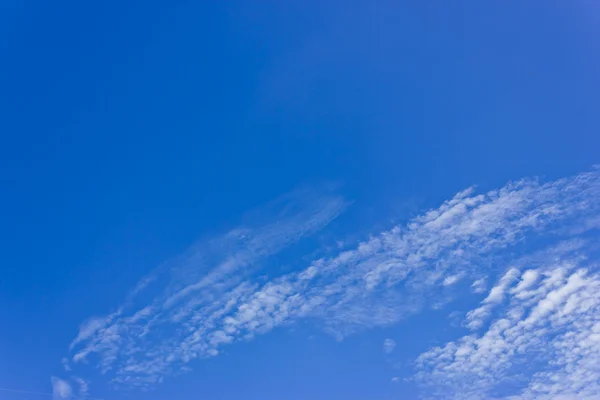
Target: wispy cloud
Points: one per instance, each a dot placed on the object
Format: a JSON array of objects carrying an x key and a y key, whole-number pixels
[
  {"x": 65, "y": 363},
  {"x": 389, "y": 345},
  {"x": 208, "y": 303},
  {"x": 475, "y": 318},
  {"x": 480, "y": 285},
  {"x": 196, "y": 290},
  {"x": 60, "y": 389},
  {"x": 544, "y": 343},
  {"x": 83, "y": 387}
]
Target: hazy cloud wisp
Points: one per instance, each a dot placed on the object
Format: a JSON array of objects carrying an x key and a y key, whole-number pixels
[{"x": 425, "y": 263}]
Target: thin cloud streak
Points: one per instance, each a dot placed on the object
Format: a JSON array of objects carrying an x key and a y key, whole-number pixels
[
  {"x": 80, "y": 397},
  {"x": 184, "y": 289},
  {"x": 208, "y": 304},
  {"x": 389, "y": 345}
]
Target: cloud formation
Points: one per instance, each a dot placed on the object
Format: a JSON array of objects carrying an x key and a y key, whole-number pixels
[
  {"x": 60, "y": 389},
  {"x": 195, "y": 290},
  {"x": 389, "y": 345},
  {"x": 212, "y": 296},
  {"x": 544, "y": 343}
]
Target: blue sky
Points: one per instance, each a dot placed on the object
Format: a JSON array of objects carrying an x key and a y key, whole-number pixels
[{"x": 291, "y": 200}]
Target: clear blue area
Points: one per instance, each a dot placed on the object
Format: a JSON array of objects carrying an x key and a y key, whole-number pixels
[{"x": 131, "y": 129}]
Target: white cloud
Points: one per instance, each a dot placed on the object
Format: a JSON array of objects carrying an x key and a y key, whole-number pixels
[
  {"x": 480, "y": 285},
  {"x": 527, "y": 280},
  {"x": 497, "y": 293},
  {"x": 202, "y": 287},
  {"x": 65, "y": 363},
  {"x": 60, "y": 389},
  {"x": 451, "y": 280},
  {"x": 544, "y": 345},
  {"x": 389, "y": 345},
  {"x": 89, "y": 328},
  {"x": 84, "y": 387},
  {"x": 208, "y": 302},
  {"x": 476, "y": 318}
]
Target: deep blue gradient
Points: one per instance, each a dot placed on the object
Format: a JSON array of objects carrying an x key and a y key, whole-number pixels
[{"x": 130, "y": 129}]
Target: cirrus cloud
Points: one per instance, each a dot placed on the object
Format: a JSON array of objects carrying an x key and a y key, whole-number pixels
[{"x": 213, "y": 296}]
